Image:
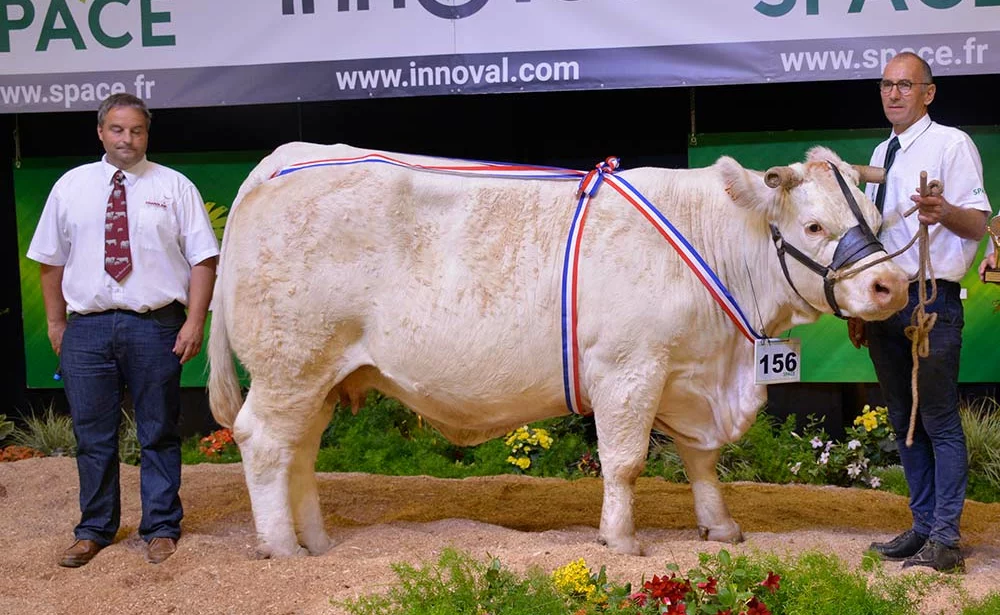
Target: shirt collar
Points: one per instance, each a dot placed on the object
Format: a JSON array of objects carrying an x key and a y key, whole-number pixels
[
  {"x": 131, "y": 174},
  {"x": 908, "y": 136}
]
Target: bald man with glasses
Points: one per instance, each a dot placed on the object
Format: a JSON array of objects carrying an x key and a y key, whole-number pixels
[{"x": 936, "y": 465}]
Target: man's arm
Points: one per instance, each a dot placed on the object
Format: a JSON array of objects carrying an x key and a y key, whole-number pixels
[
  {"x": 189, "y": 340},
  {"x": 55, "y": 304},
  {"x": 965, "y": 222}
]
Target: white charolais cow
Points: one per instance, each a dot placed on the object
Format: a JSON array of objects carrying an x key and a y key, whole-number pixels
[{"x": 443, "y": 291}]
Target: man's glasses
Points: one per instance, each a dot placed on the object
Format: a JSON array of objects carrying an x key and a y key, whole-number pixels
[{"x": 905, "y": 86}]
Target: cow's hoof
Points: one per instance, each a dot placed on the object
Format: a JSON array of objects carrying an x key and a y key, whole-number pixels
[
  {"x": 729, "y": 533},
  {"x": 264, "y": 551},
  {"x": 627, "y": 546},
  {"x": 318, "y": 546}
]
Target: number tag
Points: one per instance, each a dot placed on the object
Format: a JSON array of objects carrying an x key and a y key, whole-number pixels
[{"x": 777, "y": 360}]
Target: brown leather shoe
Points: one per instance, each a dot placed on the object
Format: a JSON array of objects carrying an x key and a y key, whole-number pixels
[
  {"x": 159, "y": 549},
  {"x": 80, "y": 553}
]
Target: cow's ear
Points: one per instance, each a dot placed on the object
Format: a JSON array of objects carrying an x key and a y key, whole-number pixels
[{"x": 747, "y": 188}]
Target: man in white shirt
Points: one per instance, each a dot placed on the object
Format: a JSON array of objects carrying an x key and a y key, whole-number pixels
[
  {"x": 125, "y": 245},
  {"x": 936, "y": 465}
]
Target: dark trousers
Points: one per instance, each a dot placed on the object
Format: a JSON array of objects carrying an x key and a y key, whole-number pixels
[
  {"x": 936, "y": 465},
  {"x": 101, "y": 354}
]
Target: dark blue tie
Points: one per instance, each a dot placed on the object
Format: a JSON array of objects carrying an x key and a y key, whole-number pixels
[{"x": 890, "y": 155}]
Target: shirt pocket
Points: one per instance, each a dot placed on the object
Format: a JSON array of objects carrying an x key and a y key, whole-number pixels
[{"x": 157, "y": 228}]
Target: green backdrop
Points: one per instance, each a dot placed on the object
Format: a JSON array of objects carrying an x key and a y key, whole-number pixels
[
  {"x": 827, "y": 355},
  {"x": 218, "y": 177}
]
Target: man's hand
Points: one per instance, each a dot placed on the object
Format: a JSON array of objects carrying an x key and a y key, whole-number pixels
[
  {"x": 188, "y": 343},
  {"x": 56, "y": 331},
  {"x": 990, "y": 260},
  {"x": 933, "y": 208},
  {"x": 856, "y": 331}
]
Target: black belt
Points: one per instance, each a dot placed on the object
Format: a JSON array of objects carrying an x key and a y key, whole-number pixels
[
  {"x": 942, "y": 285},
  {"x": 170, "y": 308}
]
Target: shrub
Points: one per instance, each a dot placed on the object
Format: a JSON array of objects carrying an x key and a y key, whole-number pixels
[
  {"x": 460, "y": 584},
  {"x": 51, "y": 433},
  {"x": 6, "y": 427},
  {"x": 810, "y": 584},
  {"x": 981, "y": 423}
]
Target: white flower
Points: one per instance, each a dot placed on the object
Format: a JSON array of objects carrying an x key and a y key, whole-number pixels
[
  {"x": 824, "y": 458},
  {"x": 816, "y": 442},
  {"x": 853, "y": 444},
  {"x": 853, "y": 470},
  {"x": 795, "y": 468},
  {"x": 875, "y": 482},
  {"x": 829, "y": 445}
]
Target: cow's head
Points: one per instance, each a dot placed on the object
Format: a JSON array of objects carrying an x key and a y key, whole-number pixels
[{"x": 821, "y": 224}]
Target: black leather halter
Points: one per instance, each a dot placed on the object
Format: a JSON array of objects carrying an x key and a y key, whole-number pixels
[{"x": 858, "y": 242}]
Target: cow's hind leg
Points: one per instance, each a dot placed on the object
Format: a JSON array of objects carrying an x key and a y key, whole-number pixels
[
  {"x": 305, "y": 498},
  {"x": 714, "y": 520},
  {"x": 268, "y": 435}
]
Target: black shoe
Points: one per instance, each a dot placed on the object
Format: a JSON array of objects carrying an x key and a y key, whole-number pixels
[
  {"x": 938, "y": 556},
  {"x": 903, "y": 546}
]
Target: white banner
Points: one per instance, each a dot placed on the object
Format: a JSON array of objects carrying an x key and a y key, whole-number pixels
[{"x": 68, "y": 54}]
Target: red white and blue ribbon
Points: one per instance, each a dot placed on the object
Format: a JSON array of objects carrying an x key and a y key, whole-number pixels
[{"x": 590, "y": 181}]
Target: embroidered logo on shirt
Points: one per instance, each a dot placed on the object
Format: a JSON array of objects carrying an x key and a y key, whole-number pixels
[{"x": 157, "y": 204}]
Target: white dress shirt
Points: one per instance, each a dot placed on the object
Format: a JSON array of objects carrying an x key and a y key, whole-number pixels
[
  {"x": 948, "y": 155},
  {"x": 169, "y": 232}
]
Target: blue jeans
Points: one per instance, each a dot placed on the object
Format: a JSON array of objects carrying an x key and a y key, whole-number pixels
[
  {"x": 936, "y": 466},
  {"x": 102, "y": 354}
]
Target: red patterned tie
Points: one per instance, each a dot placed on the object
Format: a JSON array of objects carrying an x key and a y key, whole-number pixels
[{"x": 117, "y": 254}]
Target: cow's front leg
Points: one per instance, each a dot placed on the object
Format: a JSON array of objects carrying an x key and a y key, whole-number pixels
[
  {"x": 623, "y": 441},
  {"x": 266, "y": 464},
  {"x": 714, "y": 520}
]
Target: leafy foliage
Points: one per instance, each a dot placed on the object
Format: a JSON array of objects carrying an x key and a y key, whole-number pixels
[
  {"x": 459, "y": 584},
  {"x": 384, "y": 437},
  {"x": 6, "y": 427},
  {"x": 981, "y": 423},
  {"x": 50, "y": 433},
  {"x": 810, "y": 584}
]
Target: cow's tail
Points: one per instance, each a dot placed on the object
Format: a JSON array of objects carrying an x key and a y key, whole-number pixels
[{"x": 224, "y": 394}]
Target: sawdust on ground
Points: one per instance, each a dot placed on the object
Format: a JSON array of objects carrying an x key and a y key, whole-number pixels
[{"x": 377, "y": 521}]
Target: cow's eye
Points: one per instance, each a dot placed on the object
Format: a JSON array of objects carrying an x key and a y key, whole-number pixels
[{"x": 815, "y": 228}]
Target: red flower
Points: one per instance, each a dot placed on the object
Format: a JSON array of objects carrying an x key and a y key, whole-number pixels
[
  {"x": 667, "y": 591},
  {"x": 756, "y": 607},
  {"x": 709, "y": 586},
  {"x": 639, "y": 598},
  {"x": 677, "y": 609},
  {"x": 771, "y": 582}
]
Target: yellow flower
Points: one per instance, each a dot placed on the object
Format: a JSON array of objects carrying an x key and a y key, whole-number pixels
[
  {"x": 574, "y": 579},
  {"x": 523, "y": 463}
]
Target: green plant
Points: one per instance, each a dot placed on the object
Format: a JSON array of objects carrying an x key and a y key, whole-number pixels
[
  {"x": 51, "y": 433},
  {"x": 810, "y": 584},
  {"x": 129, "y": 450},
  {"x": 981, "y": 423},
  {"x": 6, "y": 427},
  {"x": 458, "y": 584}
]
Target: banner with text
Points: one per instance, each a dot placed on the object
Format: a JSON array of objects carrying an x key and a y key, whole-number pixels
[{"x": 63, "y": 55}]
